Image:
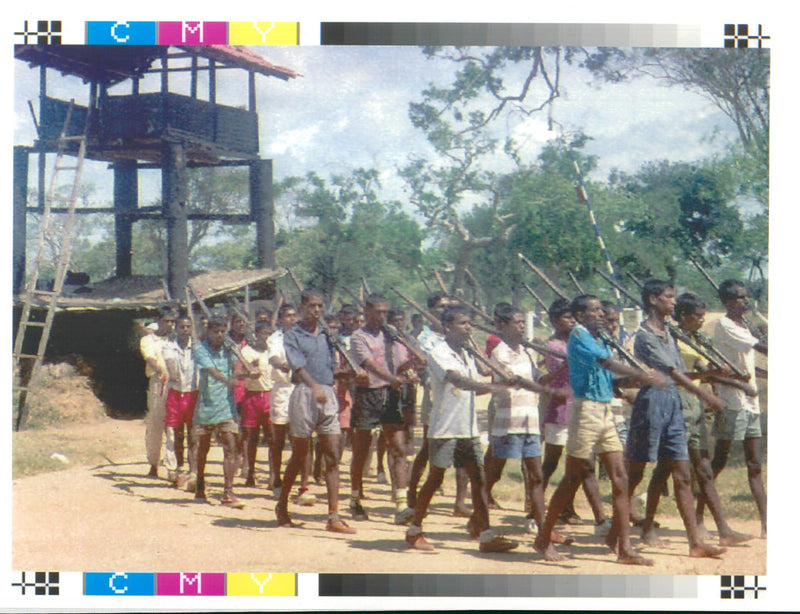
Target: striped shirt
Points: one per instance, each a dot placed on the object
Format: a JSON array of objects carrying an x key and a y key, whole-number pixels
[{"x": 516, "y": 410}]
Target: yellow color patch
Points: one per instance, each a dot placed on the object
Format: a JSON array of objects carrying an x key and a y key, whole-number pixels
[
  {"x": 264, "y": 33},
  {"x": 262, "y": 584}
]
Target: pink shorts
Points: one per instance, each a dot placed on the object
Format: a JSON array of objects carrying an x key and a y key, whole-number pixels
[
  {"x": 255, "y": 408},
  {"x": 180, "y": 408}
]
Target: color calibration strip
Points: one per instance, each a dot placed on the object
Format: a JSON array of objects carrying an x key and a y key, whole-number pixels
[
  {"x": 192, "y": 33},
  {"x": 190, "y": 584},
  {"x": 455, "y": 585}
]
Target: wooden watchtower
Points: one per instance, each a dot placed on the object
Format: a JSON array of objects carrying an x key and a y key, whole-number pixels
[{"x": 158, "y": 130}]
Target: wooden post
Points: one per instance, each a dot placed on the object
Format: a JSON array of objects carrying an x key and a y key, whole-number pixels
[
  {"x": 262, "y": 210},
  {"x": 20, "y": 216},
  {"x": 174, "y": 189},
  {"x": 126, "y": 200}
]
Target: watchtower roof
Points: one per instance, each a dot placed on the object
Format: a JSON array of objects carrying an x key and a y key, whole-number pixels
[{"x": 111, "y": 64}]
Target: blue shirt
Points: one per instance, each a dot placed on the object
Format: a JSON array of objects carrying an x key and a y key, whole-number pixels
[
  {"x": 312, "y": 352},
  {"x": 589, "y": 380},
  {"x": 215, "y": 401}
]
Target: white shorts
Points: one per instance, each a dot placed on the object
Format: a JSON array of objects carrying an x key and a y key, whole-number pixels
[
  {"x": 279, "y": 403},
  {"x": 555, "y": 434}
]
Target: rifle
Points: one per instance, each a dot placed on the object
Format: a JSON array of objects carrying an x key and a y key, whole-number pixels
[
  {"x": 354, "y": 296},
  {"x": 422, "y": 278},
  {"x": 609, "y": 340},
  {"x": 273, "y": 321},
  {"x": 398, "y": 336},
  {"x": 633, "y": 278},
  {"x": 622, "y": 289},
  {"x": 333, "y": 340},
  {"x": 559, "y": 292},
  {"x": 535, "y": 296},
  {"x": 440, "y": 281},
  {"x": 575, "y": 283}
]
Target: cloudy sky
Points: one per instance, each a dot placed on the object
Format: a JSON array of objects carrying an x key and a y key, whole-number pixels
[{"x": 350, "y": 109}]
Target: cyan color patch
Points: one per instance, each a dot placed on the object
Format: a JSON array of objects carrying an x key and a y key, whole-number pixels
[
  {"x": 119, "y": 583},
  {"x": 121, "y": 32}
]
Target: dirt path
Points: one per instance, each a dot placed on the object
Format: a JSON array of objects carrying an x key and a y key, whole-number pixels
[{"x": 110, "y": 517}]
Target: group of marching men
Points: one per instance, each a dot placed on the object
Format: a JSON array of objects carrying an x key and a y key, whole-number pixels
[{"x": 333, "y": 375}]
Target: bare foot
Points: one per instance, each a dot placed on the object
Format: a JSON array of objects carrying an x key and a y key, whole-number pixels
[
  {"x": 734, "y": 538},
  {"x": 706, "y": 551},
  {"x": 558, "y": 538},
  {"x": 549, "y": 553},
  {"x": 634, "y": 559},
  {"x": 650, "y": 537},
  {"x": 611, "y": 542}
]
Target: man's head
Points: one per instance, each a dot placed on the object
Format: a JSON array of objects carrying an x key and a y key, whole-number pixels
[
  {"x": 167, "y": 314},
  {"x": 238, "y": 324},
  {"x": 347, "y": 318},
  {"x": 375, "y": 309},
  {"x": 287, "y": 316},
  {"x": 511, "y": 322},
  {"x": 183, "y": 328},
  {"x": 263, "y": 315},
  {"x": 263, "y": 329},
  {"x": 332, "y": 322},
  {"x": 658, "y": 297},
  {"x": 610, "y": 316},
  {"x": 588, "y": 310},
  {"x": 397, "y": 318},
  {"x": 456, "y": 323},
  {"x": 437, "y": 302},
  {"x": 690, "y": 312},
  {"x": 216, "y": 331},
  {"x": 311, "y": 306},
  {"x": 561, "y": 317},
  {"x": 733, "y": 295}
]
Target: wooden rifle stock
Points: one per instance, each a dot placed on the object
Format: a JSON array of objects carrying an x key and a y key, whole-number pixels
[{"x": 543, "y": 277}]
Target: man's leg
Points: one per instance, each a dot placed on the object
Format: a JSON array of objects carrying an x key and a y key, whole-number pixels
[
  {"x": 705, "y": 480},
  {"x": 395, "y": 436},
  {"x": 552, "y": 454},
  {"x": 155, "y": 422},
  {"x": 654, "y": 491},
  {"x": 462, "y": 482},
  {"x": 276, "y": 453},
  {"x": 681, "y": 480},
  {"x": 575, "y": 468},
  {"x": 296, "y": 462},
  {"x": 618, "y": 538},
  {"x": 362, "y": 439},
  {"x": 203, "y": 445},
  {"x": 417, "y": 468},
  {"x": 250, "y": 441},
  {"x": 229, "y": 463},
  {"x": 752, "y": 456},
  {"x": 534, "y": 486}
]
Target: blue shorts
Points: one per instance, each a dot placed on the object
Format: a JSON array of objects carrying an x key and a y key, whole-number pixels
[
  {"x": 657, "y": 430},
  {"x": 516, "y": 445}
]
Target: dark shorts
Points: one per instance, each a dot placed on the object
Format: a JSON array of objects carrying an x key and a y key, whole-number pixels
[
  {"x": 368, "y": 406},
  {"x": 458, "y": 452},
  {"x": 657, "y": 431},
  {"x": 228, "y": 426},
  {"x": 255, "y": 408},
  {"x": 393, "y": 409}
]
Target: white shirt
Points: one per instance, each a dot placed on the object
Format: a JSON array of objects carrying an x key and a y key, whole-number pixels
[
  {"x": 453, "y": 413},
  {"x": 736, "y": 343},
  {"x": 516, "y": 410},
  {"x": 279, "y": 377},
  {"x": 183, "y": 361},
  {"x": 261, "y": 359}
]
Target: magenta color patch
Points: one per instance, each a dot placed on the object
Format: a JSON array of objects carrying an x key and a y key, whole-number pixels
[
  {"x": 192, "y": 33},
  {"x": 184, "y": 583}
]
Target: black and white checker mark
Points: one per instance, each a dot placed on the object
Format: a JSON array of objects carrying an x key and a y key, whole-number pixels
[
  {"x": 739, "y": 35},
  {"x": 740, "y": 587},
  {"x": 41, "y": 32}
]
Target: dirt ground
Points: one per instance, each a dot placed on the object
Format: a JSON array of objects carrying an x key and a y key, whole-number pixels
[{"x": 111, "y": 517}]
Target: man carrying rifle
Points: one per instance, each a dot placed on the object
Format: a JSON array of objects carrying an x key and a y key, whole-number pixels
[
  {"x": 312, "y": 407},
  {"x": 740, "y": 420},
  {"x": 377, "y": 403},
  {"x": 453, "y": 437},
  {"x": 657, "y": 430},
  {"x": 592, "y": 429},
  {"x": 690, "y": 313}
]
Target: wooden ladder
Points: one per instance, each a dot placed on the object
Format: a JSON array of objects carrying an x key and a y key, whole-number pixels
[{"x": 27, "y": 365}]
